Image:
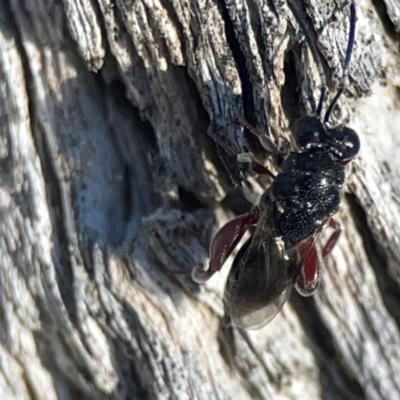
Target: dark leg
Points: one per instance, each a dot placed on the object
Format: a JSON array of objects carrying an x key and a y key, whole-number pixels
[
  {"x": 265, "y": 141},
  {"x": 255, "y": 165}
]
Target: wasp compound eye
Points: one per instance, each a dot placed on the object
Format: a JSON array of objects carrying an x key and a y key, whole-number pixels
[
  {"x": 343, "y": 143},
  {"x": 309, "y": 132}
]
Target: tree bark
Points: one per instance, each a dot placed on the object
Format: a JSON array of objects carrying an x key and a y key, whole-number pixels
[{"x": 111, "y": 191}]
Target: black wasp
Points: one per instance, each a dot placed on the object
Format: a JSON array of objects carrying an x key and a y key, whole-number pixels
[{"x": 282, "y": 252}]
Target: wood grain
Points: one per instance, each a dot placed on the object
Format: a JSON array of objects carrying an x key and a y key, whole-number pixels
[{"x": 111, "y": 190}]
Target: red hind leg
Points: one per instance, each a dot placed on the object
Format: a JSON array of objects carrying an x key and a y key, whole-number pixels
[
  {"x": 330, "y": 244},
  {"x": 311, "y": 259},
  {"x": 223, "y": 244}
]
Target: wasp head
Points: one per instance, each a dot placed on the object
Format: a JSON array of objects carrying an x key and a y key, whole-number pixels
[
  {"x": 343, "y": 143},
  {"x": 309, "y": 132}
]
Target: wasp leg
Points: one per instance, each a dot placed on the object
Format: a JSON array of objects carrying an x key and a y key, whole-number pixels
[
  {"x": 255, "y": 165},
  {"x": 330, "y": 244},
  {"x": 265, "y": 141},
  {"x": 223, "y": 244},
  {"x": 262, "y": 170},
  {"x": 311, "y": 260}
]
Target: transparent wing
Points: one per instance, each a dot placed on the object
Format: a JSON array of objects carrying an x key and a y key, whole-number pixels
[
  {"x": 260, "y": 317},
  {"x": 261, "y": 278}
]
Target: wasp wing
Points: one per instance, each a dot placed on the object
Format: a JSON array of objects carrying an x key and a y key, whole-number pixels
[{"x": 261, "y": 278}]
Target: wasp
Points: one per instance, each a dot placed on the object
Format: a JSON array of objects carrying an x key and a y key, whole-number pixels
[{"x": 282, "y": 252}]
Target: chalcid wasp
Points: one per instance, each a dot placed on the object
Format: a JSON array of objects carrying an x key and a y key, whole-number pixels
[{"x": 305, "y": 194}]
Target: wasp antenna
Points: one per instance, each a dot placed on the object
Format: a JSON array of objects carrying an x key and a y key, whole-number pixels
[
  {"x": 314, "y": 52},
  {"x": 321, "y": 101},
  {"x": 349, "y": 51}
]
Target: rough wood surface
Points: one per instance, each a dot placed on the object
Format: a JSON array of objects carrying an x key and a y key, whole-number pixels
[{"x": 111, "y": 190}]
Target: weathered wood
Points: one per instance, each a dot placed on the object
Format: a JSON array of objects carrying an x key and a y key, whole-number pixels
[{"x": 111, "y": 190}]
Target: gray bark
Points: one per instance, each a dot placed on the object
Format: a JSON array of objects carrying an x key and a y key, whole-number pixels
[{"x": 111, "y": 191}]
